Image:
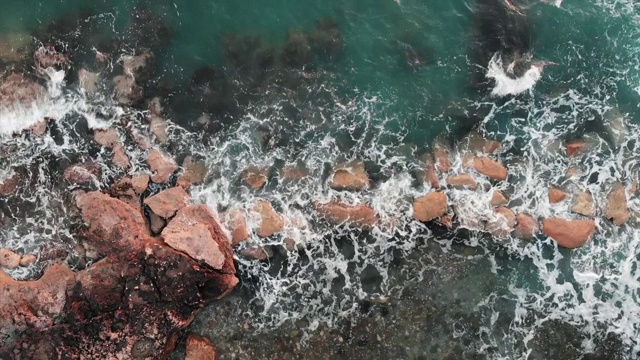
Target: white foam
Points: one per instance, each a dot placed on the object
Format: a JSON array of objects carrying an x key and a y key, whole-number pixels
[{"x": 506, "y": 85}]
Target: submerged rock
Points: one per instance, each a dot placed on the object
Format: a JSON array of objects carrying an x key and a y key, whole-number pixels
[
  {"x": 617, "y": 208},
  {"x": 462, "y": 181},
  {"x": 88, "y": 81},
  {"x": 86, "y": 173},
  {"x": 14, "y": 47},
  {"x": 526, "y": 228},
  {"x": 255, "y": 177},
  {"x": 576, "y": 148},
  {"x": 167, "y": 203},
  {"x": 294, "y": 173},
  {"x": 272, "y": 223},
  {"x": 350, "y": 176},
  {"x": 442, "y": 154},
  {"x": 162, "y": 166},
  {"x": 490, "y": 168},
  {"x": 138, "y": 67},
  {"x": 127, "y": 91},
  {"x": 200, "y": 348},
  {"x": 583, "y": 204},
  {"x": 9, "y": 259},
  {"x": 257, "y": 252},
  {"x": 360, "y": 216},
  {"x": 502, "y": 223},
  {"x": 194, "y": 172},
  {"x": 427, "y": 172},
  {"x": 48, "y": 57},
  {"x": 430, "y": 206},
  {"x": 236, "y": 222},
  {"x": 569, "y": 233},
  {"x": 10, "y": 185}
]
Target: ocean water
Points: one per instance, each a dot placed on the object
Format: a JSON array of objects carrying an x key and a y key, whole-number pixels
[{"x": 403, "y": 74}]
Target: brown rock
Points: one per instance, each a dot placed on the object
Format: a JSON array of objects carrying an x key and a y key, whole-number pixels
[
  {"x": 156, "y": 223},
  {"x": 556, "y": 195},
  {"x": 9, "y": 259},
  {"x": 294, "y": 173},
  {"x": 28, "y": 260},
  {"x": 127, "y": 91},
  {"x": 526, "y": 228},
  {"x": 572, "y": 171},
  {"x": 257, "y": 252},
  {"x": 88, "y": 81},
  {"x": 106, "y": 137},
  {"x": 617, "y": 208},
  {"x": 17, "y": 91},
  {"x": 162, "y": 166},
  {"x": 10, "y": 185},
  {"x": 576, "y": 148},
  {"x": 158, "y": 127},
  {"x": 430, "y": 206},
  {"x": 476, "y": 143},
  {"x": 120, "y": 158},
  {"x": 498, "y": 199},
  {"x": 446, "y": 221},
  {"x": 360, "y": 216},
  {"x": 462, "y": 181},
  {"x": 502, "y": 223},
  {"x": 490, "y": 168},
  {"x": 583, "y": 204},
  {"x": 236, "y": 222},
  {"x": 140, "y": 183},
  {"x": 13, "y": 47},
  {"x": 350, "y": 176},
  {"x": 427, "y": 172},
  {"x": 167, "y": 203},
  {"x": 289, "y": 244},
  {"x": 569, "y": 233},
  {"x": 86, "y": 173},
  {"x": 194, "y": 172},
  {"x": 48, "y": 57},
  {"x": 200, "y": 348},
  {"x": 39, "y": 128},
  {"x": 137, "y": 66},
  {"x": 272, "y": 222},
  {"x": 491, "y": 146},
  {"x": 441, "y": 155},
  {"x": 255, "y": 177}
]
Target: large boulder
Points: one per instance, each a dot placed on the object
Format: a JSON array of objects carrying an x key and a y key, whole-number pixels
[
  {"x": 167, "y": 203},
  {"x": 19, "y": 94},
  {"x": 617, "y": 208},
  {"x": 360, "y": 216},
  {"x": 236, "y": 222},
  {"x": 569, "y": 233},
  {"x": 10, "y": 184},
  {"x": 350, "y": 176},
  {"x": 194, "y": 172},
  {"x": 255, "y": 177},
  {"x": 430, "y": 206},
  {"x": 556, "y": 195},
  {"x": 502, "y": 223}
]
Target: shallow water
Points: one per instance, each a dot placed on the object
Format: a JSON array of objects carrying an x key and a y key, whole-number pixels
[{"x": 406, "y": 74}]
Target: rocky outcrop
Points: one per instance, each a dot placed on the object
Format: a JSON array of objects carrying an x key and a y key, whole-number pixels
[
  {"x": 126, "y": 90},
  {"x": 271, "y": 222},
  {"x": 200, "y": 348},
  {"x": 489, "y": 168},
  {"x": 556, "y": 195},
  {"x": 462, "y": 181},
  {"x": 359, "y": 216},
  {"x": 569, "y": 233},
  {"x": 350, "y": 176},
  {"x": 86, "y": 173},
  {"x": 167, "y": 203},
  {"x": 526, "y": 227},
  {"x": 48, "y": 57},
  {"x": 17, "y": 91},
  {"x": 430, "y": 206},
  {"x": 255, "y": 177},
  {"x": 583, "y": 204},
  {"x": 88, "y": 81},
  {"x": 617, "y": 208},
  {"x": 442, "y": 156},
  {"x": 162, "y": 166}
]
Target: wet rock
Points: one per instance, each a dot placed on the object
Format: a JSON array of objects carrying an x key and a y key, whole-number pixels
[
  {"x": 28, "y": 260},
  {"x": 350, "y": 176},
  {"x": 194, "y": 172},
  {"x": 583, "y": 204},
  {"x": 289, "y": 244},
  {"x": 442, "y": 153},
  {"x": 502, "y": 223},
  {"x": 572, "y": 172},
  {"x": 167, "y": 203},
  {"x": 162, "y": 166},
  {"x": 9, "y": 259},
  {"x": 18, "y": 92},
  {"x": 200, "y": 348},
  {"x": 490, "y": 168},
  {"x": 498, "y": 199},
  {"x": 126, "y": 91},
  {"x": 294, "y": 173},
  {"x": 138, "y": 67},
  {"x": 140, "y": 183},
  {"x": 39, "y": 128},
  {"x": 106, "y": 137},
  {"x": 14, "y": 47},
  {"x": 360, "y": 216},
  {"x": 120, "y": 158},
  {"x": 48, "y": 57},
  {"x": 86, "y": 173},
  {"x": 257, "y": 253},
  {"x": 526, "y": 228},
  {"x": 297, "y": 51},
  {"x": 156, "y": 223},
  {"x": 428, "y": 171},
  {"x": 617, "y": 208},
  {"x": 476, "y": 143},
  {"x": 569, "y": 233},
  {"x": 462, "y": 181},
  {"x": 88, "y": 81},
  {"x": 10, "y": 185},
  {"x": 272, "y": 223},
  {"x": 430, "y": 206},
  {"x": 446, "y": 221},
  {"x": 255, "y": 177},
  {"x": 576, "y": 148},
  {"x": 158, "y": 127},
  {"x": 556, "y": 195},
  {"x": 236, "y": 222}
]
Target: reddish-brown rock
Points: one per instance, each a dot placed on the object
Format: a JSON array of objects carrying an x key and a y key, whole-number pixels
[
  {"x": 158, "y": 127},
  {"x": 120, "y": 158},
  {"x": 556, "y": 195},
  {"x": 200, "y": 348},
  {"x": 126, "y": 90},
  {"x": 294, "y": 173},
  {"x": 526, "y": 228},
  {"x": 106, "y": 137},
  {"x": 498, "y": 199},
  {"x": 272, "y": 223},
  {"x": 255, "y": 177},
  {"x": 442, "y": 160},
  {"x": 462, "y": 181},
  {"x": 350, "y": 176},
  {"x": 88, "y": 81},
  {"x": 257, "y": 252},
  {"x": 10, "y": 185},
  {"x": 140, "y": 183},
  {"x": 569, "y": 233},
  {"x": 48, "y": 57},
  {"x": 236, "y": 222},
  {"x": 194, "y": 172},
  {"x": 166, "y": 203},
  {"x": 490, "y": 168},
  {"x": 617, "y": 208},
  {"x": 9, "y": 259},
  {"x": 156, "y": 223},
  {"x": 162, "y": 166},
  {"x": 28, "y": 260},
  {"x": 583, "y": 204},
  {"x": 86, "y": 173},
  {"x": 39, "y": 128},
  {"x": 576, "y": 148},
  {"x": 18, "y": 91},
  {"x": 446, "y": 221},
  {"x": 502, "y": 223},
  {"x": 360, "y": 216},
  {"x": 430, "y": 206}
]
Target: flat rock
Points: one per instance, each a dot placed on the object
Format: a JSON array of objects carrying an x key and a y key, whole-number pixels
[
  {"x": 502, "y": 223},
  {"x": 162, "y": 166},
  {"x": 194, "y": 172},
  {"x": 583, "y": 204},
  {"x": 272, "y": 223},
  {"x": 236, "y": 222},
  {"x": 556, "y": 195},
  {"x": 498, "y": 198},
  {"x": 106, "y": 137},
  {"x": 350, "y": 176},
  {"x": 255, "y": 177},
  {"x": 617, "y": 208},
  {"x": 569, "y": 233},
  {"x": 490, "y": 168},
  {"x": 167, "y": 203},
  {"x": 360, "y": 216},
  {"x": 158, "y": 127},
  {"x": 526, "y": 227},
  {"x": 140, "y": 183},
  {"x": 200, "y": 348},
  {"x": 86, "y": 173},
  {"x": 430, "y": 206},
  {"x": 462, "y": 181},
  {"x": 9, "y": 259}
]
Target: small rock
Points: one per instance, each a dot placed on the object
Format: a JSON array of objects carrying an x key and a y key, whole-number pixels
[
  {"x": 200, "y": 348},
  {"x": 255, "y": 177},
  {"x": 294, "y": 173},
  {"x": 490, "y": 168},
  {"x": 446, "y": 221},
  {"x": 236, "y": 221},
  {"x": 106, "y": 137},
  {"x": 498, "y": 199},
  {"x": 127, "y": 92},
  {"x": 194, "y": 172},
  {"x": 88, "y": 81},
  {"x": 137, "y": 67},
  {"x": 503, "y": 222},
  {"x": 617, "y": 208},
  {"x": 272, "y": 222},
  {"x": 569, "y": 233},
  {"x": 9, "y": 259},
  {"x": 28, "y": 260},
  {"x": 462, "y": 181},
  {"x": 633, "y": 188},
  {"x": 583, "y": 204},
  {"x": 556, "y": 195},
  {"x": 120, "y": 158},
  {"x": 572, "y": 171},
  {"x": 162, "y": 166},
  {"x": 428, "y": 172},
  {"x": 140, "y": 183},
  {"x": 166, "y": 203},
  {"x": 39, "y": 128},
  {"x": 48, "y": 57},
  {"x": 156, "y": 223},
  {"x": 576, "y": 148},
  {"x": 289, "y": 244},
  {"x": 86, "y": 173},
  {"x": 526, "y": 228},
  {"x": 441, "y": 153},
  {"x": 360, "y": 216},
  {"x": 158, "y": 127},
  {"x": 257, "y": 253},
  {"x": 10, "y": 185},
  {"x": 430, "y": 206},
  {"x": 350, "y": 176}
]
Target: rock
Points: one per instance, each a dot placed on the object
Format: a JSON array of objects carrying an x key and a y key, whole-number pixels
[
  {"x": 120, "y": 158},
  {"x": 158, "y": 127},
  {"x": 294, "y": 173},
  {"x": 526, "y": 228},
  {"x": 441, "y": 153},
  {"x": 428, "y": 172},
  {"x": 490, "y": 168},
  {"x": 360, "y": 216},
  {"x": 572, "y": 171},
  {"x": 446, "y": 221},
  {"x": 48, "y": 57},
  {"x": 140, "y": 183},
  {"x": 126, "y": 91},
  {"x": 9, "y": 259},
  {"x": 272, "y": 223},
  {"x": 156, "y": 223},
  {"x": 21, "y": 95},
  {"x": 569, "y": 233},
  {"x": 255, "y": 177},
  {"x": 106, "y": 137},
  {"x": 236, "y": 222},
  {"x": 350, "y": 176},
  {"x": 13, "y": 47},
  {"x": 88, "y": 81},
  {"x": 430, "y": 206},
  {"x": 200, "y": 348},
  {"x": 28, "y": 260},
  {"x": 633, "y": 188},
  {"x": 86, "y": 173},
  {"x": 502, "y": 223},
  {"x": 289, "y": 244},
  {"x": 196, "y": 232},
  {"x": 498, "y": 198},
  {"x": 257, "y": 253},
  {"x": 10, "y": 184},
  {"x": 556, "y": 195},
  {"x": 583, "y": 204},
  {"x": 576, "y": 148},
  {"x": 194, "y": 172},
  {"x": 167, "y": 203},
  {"x": 462, "y": 181},
  {"x": 617, "y": 208},
  {"x": 476, "y": 143},
  {"x": 39, "y": 128},
  {"x": 162, "y": 166},
  {"x": 137, "y": 67}
]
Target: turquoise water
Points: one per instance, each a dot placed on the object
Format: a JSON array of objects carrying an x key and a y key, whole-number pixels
[{"x": 370, "y": 99}]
